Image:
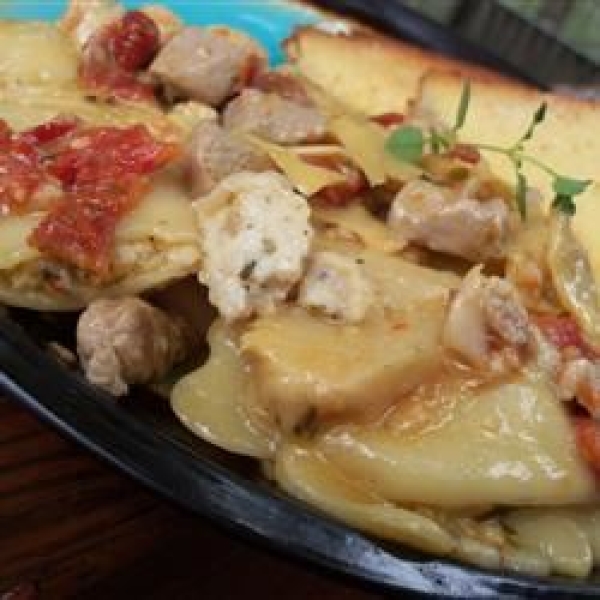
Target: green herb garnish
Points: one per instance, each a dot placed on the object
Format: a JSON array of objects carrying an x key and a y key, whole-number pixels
[
  {"x": 521, "y": 194},
  {"x": 408, "y": 144},
  {"x": 463, "y": 106}
]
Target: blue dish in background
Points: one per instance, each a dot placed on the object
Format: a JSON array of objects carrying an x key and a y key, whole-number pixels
[
  {"x": 143, "y": 439},
  {"x": 267, "y": 20}
]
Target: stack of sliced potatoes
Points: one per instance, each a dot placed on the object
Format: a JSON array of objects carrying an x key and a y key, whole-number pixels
[
  {"x": 352, "y": 417},
  {"x": 490, "y": 475}
]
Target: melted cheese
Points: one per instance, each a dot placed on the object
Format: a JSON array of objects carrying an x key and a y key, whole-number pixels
[
  {"x": 216, "y": 401},
  {"x": 24, "y": 107},
  {"x": 165, "y": 215},
  {"x": 36, "y": 53},
  {"x": 355, "y": 222},
  {"x": 14, "y": 249},
  {"x": 307, "y": 366}
]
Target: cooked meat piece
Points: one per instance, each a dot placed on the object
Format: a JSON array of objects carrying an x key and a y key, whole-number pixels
[
  {"x": 487, "y": 324},
  {"x": 124, "y": 341},
  {"x": 472, "y": 229},
  {"x": 208, "y": 65},
  {"x": 255, "y": 237},
  {"x": 579, "y": 379},
  {"x": 274, "y": 118},
  {"x": 336, "y": 285},
  {"x": 188, "y": 115},
  {"x": 214, "y": 153},
  {"x": 284, "y": 83}
]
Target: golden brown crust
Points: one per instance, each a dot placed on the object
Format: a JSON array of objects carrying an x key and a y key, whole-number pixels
[{"x": 372, "y": 72}]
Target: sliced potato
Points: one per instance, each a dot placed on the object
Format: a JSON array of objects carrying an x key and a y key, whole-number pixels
[
  {"x": 36, "y": 54},
  {"x": 217, "y": 402},
  {"x": 309, "y": 476},
  {"x": 502, "y": 444},
  {"x": 155, "y": 243},
  {"x": 308, "y": 367}
]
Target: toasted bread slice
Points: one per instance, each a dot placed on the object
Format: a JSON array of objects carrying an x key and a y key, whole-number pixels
[
  {"x": 500, "y": 112},
  {"x": 368, "y": 71}
]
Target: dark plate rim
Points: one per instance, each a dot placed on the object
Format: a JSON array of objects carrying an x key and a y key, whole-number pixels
[{"x": 61, "y": 398}]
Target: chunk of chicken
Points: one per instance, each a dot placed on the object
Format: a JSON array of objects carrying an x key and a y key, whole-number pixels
[
  {"x": 214, "y": 153},
  {"x": 579, "y": 379},
  {"x": 487, "y": 325},
  {"x": 209, "y": 65},
  {"x": 188, "y": 115},
  {"x": 255, "y": 237},
  {"x": 274, "y": 118},
  {"x": 125, "y": 341},
  {"x": 336, "y": 285},
  {"x": 472, "y": 229},
  {"x": 283, "y": 82}
]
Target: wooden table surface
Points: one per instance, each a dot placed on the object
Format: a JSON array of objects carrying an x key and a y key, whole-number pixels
[{"x": 73, "y": 527}]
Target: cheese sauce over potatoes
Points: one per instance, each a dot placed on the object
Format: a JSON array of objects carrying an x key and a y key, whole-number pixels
[{"x": 387, "y": 334}]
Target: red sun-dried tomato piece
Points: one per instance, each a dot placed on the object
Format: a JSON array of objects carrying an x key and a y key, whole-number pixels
[
  {"x": 104, "y": 172},
  {"x": 51, "y": 131},
  {"x": 389, "y": 120},
  {"x": 109, "y": 153},
  {"x": 133, "y": 40},
  {"x": 80, "y": 229},
  {"x": 562, "y": 331},
  {"x": 338, "y": 194},
  {"x": 113, "y": 57},
  {"x": 21, "y": 171},
  {"x": 465, "y": 152}
]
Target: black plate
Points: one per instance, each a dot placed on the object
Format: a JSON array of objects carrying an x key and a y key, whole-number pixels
[{"x": 145, "y": 440}]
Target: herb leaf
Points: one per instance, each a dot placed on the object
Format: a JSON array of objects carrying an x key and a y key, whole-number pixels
[
  {"x": 406, "y": 144},
  {"x": 463, "y": 106},
  {"x": 565, "y": 186},
  {"x": 564, "y": 204},
  {"x": 521, "y": 194},
  {"x": 440, "y": 141},
  {"x": 538, "y": 117}
]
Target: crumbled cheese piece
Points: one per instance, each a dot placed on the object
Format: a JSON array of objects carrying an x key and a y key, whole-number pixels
[
  {"x": 336, "y": 285},
  {"x": 255, "y": 237}
]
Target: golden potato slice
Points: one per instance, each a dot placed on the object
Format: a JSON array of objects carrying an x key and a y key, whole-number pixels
[
  {"x": 155, "y": 243},
  {"x": 308, "y": 367},
  {"x": 505, "y": 444},
  {"x": 36, "y": 54}
]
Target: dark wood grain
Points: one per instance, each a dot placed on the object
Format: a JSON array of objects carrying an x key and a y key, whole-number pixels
[{"x": 72, "y": 527}]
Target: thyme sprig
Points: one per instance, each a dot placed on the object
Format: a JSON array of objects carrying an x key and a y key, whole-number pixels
[{"x": 409, "y": 143}]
